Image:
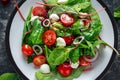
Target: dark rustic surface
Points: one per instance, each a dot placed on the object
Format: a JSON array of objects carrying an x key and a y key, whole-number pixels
[{"x": 5, "y": 66}]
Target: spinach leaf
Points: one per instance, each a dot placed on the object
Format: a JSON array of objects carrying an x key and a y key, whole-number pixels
[
  {"x": 41, "y": 76},
  {"x": 75, "y": 54},
  {"x": 52, "y": 1},
  {"x": 95, "y": 28},
  {"x": 57, "y": 56},
  {"x": 72, "y": 2},
  {"x": 117, "y": 12},
  {"x": 9, "y": 76},
  {"x": 36, "y": 34},
  {"x": 60, "y": 9}
]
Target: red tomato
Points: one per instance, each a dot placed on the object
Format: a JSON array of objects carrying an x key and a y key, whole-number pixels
[
  {"x": 39, "y": 11},
  {"x": 65, "y": 69},
  {"x": 68, "y": 39},
  {"x": 5, "y": 1},
  {"x": 86, "y": 22},
  {"x": 67, "y": 20},
  {"x": 83, "y": 62},
  {"x": 49, "y": 37},
  {"x": 27, "y": 50},
  {"x": 39, "y": 60}
]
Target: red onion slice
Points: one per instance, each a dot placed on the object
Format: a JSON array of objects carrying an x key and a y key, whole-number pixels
[
  {"x": 37, "y": 52},
  {"x": 46, "y": 23},
  {"x": 81, "y": 39},
  {"x": 92, "y": 59}
]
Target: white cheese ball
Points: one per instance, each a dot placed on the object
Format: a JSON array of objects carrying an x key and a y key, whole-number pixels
[
  {"x": 45, "y": 68},
  {"x": 74, "y": 65},
  {"x": 62, "y": 1},
  {"x": 61, "y": 42},
  {"x": 54, "y": 17}
]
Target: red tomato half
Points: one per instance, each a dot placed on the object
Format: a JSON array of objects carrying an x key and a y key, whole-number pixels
[
  {"x": 68, "y": 39},
  {"x": 49, "y": 37},
  {"x": 83, "y": 62},
  {"x": 67, "y": 20},
  {"x": 39, "y": 60},
  {"x": 65, "y": 69},
  {"x": 39, "y": 11},
  {"x": 27, "y": 50}
]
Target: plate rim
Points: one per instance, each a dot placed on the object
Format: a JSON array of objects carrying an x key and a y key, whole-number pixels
[{"x": 7, "y": 43}]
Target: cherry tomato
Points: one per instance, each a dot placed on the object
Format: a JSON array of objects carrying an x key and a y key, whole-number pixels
[
  {"x": 67, "y": 20},
  {"x": 85, "y": 22},
  {"x": 39, "y": 60},
  {"x": 5, "y": 1},
  {"x": 27, "y": 50},
  {"x": 83, "y": 62},
  {"x": 68, "y": 39},
  {"x": 39, "y": 11},
  {"x": 49, "y": 37},
  {"x": 65, "y": 69}
]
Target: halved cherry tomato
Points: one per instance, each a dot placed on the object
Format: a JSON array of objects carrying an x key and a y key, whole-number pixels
[
  {"x": 67, "y": 20},
  {"x": 83, "y": 62},
  {"x": 27, "y": 50},
  {"x": 39, "y": 11},
  {"x": 68, "y": 39},
  {"x": 49, "y": 37},
  {"x": 65, "y": 69},
  {"x": 39, "y": 60}
]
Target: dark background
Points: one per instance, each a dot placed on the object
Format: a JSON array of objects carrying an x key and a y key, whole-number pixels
[{"x": 5, "y": 66}]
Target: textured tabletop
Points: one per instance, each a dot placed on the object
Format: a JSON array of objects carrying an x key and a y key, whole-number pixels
[{"x": 5, "y": 66}]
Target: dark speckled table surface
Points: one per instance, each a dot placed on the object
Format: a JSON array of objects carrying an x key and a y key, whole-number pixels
[{"x": 5, "y": 66}]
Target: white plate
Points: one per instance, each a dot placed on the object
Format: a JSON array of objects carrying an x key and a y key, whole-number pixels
[{"x": 27, "y": 71}]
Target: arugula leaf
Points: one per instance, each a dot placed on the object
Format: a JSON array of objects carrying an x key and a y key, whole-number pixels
[
  {"x": 117, "y": 12},
  {"x": 41, "y": 76},
  {"x": 29, "y": 14},
  {"x": 9, "y": 76}
]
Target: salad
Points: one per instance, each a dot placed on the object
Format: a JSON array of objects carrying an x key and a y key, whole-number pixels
[{"x": 61, "y": 37}]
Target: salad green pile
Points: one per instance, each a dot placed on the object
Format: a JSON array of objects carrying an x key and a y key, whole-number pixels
[{"x": 74, "y": 37}]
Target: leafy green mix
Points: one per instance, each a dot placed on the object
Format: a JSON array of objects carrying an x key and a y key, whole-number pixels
[
  {"x": 57, "y": 55},
  {"x": 117, "y": 12}
]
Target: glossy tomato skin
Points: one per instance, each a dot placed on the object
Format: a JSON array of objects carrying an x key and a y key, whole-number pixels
[
  {"x": 5, "y": 1},
  {"x": 39, "y": 60},
  {"x": 67, "y": 20},
  {"x": 65, "y": 69},
  {"x": 83, "y": 62},
  {"x": 68, "y": 39},
  {"x": 39, "y": 11},
  {"x": 27, "y": 50},
  {"x": 49, "y": 37}
]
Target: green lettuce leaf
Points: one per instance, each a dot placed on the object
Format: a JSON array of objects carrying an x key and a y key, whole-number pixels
[
  {"x": 41, "y": 76},
  {"x": 117, "y": 12},
  {"x": 9, "y": 76}
]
